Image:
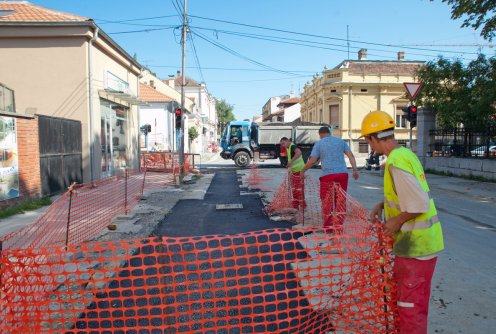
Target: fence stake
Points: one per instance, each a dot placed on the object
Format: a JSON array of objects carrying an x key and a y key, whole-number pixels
[
  {"x": 125, "y": 191},
  {"x": 1, "y": 248},
  {"x": 71, "y": 191}
]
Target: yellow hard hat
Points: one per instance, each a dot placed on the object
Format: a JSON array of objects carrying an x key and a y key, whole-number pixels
[{"x": 377, "y": 121}]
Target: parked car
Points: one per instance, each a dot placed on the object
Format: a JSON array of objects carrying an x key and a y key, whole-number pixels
[{"x": 481, "y": 151}]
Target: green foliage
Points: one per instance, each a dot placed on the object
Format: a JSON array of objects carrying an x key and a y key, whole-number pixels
[
  {"x": 192, "y": 133},
  {"x": 29, "y": 205},
  {"x": 224, "y": 111},
  {"x": 459, "y": 93},
  {"x": 477, "y": 13}
]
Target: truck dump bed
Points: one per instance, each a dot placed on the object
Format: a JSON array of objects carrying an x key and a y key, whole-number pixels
[
  {"x": 306, "y": 135},
  {"x": 268, "y": 134}
]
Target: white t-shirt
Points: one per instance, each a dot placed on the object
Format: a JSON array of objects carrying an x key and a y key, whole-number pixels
[{"x": 411, "y": 197}]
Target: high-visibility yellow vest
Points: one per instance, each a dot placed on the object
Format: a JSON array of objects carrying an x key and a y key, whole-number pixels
[
  {"x": 421, "y": 236},
  {"x": 298, "y": 164}
]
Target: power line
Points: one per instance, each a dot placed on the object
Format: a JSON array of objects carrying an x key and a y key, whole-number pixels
[
  {"x": 325, "y": 37},
  {"x": 231, "y": 69},
  {"x": 300, "y": 42},
  {"x": 196, "y": 57},
  {"x": 132, "y": 20},
  {"x": 261, "y": 80},
  {"x": 237, "y": 54},
  {"x": 284, "y": 40},
  {"x": 137, "y": 31}
]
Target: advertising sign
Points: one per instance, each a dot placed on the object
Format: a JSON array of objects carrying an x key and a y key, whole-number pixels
[{"x": 9, "y": 171}]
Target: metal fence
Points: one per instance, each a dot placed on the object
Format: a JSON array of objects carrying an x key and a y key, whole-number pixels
[{"x": 462, "y": 142}]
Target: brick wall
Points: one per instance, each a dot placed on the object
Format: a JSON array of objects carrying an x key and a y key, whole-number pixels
[{"x": 28, "y": 152}]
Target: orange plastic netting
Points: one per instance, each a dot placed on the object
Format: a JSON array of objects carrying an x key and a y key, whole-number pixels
[
  {"x": 303, "y": 280},
  {"x": 251, "y": 283}
]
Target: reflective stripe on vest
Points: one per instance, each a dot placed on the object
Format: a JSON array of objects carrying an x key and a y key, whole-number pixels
[
  {"x": 421, "y": 236},
  {"x": 296, "y": 165}
]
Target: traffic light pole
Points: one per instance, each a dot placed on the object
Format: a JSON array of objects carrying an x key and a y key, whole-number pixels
[
  {"x": 411, "y": 127},
  {"x": 183, "y": 98}
]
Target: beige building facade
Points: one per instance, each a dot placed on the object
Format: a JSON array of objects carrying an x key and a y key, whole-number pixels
[
  {"x": 342, "y": 96},
  {"x": 63, "y": 65}
]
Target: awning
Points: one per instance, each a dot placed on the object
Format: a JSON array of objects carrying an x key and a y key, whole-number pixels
[{"x": 119, "y": 97}]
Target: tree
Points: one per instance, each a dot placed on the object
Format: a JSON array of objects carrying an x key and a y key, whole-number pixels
[
  {"x": 459, "y": 93},
  {"x": 192, "y": 134},
  {"x": 224, "y": 113},
  {"x": 481, "y": 13}
]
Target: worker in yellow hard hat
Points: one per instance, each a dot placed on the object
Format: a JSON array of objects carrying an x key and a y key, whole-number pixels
[{"x": 410, "y": 218}]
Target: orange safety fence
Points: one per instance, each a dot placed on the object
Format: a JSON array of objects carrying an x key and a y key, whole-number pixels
[
  {"x": 83, "y": 212},
  {"x": 256, "y": 282},
  {"x": 168, "y": 162},
  {"x": 256, "y": 179},
  {"x": 309, "y": 209}
]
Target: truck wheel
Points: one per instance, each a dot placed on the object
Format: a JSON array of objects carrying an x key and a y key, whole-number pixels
[{"x": 242, "y": 159}]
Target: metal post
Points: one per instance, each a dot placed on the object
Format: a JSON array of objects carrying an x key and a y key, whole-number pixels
[
  {"x": 71, "y": 190},
  {"x": 183, "y": 98},
  {"x": 125, "y": 191}
]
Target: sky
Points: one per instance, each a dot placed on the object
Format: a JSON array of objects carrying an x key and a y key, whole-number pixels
[{"x": 247, "y": 51}]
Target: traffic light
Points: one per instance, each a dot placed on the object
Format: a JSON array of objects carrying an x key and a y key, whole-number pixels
[
  {"x": 412, "y": 111},
  {"x": 405, "y": 116},
  {"x": 145, "y": 129},
  {"x": 179, "y": 114}
]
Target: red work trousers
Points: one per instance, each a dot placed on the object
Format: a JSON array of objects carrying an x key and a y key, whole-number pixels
[
  {"x": 413, "y": 278},
  {"x": 332, "y": 201},
  {"x": 297, "y": 190}
]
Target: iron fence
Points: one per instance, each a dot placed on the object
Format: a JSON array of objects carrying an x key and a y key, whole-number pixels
[{"x": 463, "y": 142}]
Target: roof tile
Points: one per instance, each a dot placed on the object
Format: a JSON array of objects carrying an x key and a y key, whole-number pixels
[
  {"x": 24, "y": 11},
  {"x": 149, "y": 94}
]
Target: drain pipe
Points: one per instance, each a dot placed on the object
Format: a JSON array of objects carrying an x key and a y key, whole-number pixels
[
  {"x": 90, "y": 90},
  {"x": 350, "y": 99}
]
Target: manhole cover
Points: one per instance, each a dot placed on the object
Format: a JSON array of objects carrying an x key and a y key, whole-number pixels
[{"x": 229, "y": 206}]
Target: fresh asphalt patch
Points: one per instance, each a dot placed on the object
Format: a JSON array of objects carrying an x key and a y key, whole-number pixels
[{"x": 243, "y": 279}]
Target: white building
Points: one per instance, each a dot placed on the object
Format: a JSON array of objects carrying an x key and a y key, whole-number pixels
[
  {"x": 271, "y": 106},
  {"x": 203, "y": 113}
]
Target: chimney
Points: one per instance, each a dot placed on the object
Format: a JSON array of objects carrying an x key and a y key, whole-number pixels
[
  {"x": 362, "y": 54},
  {"x": 152, "y": 84},
  {"x": 178, "y": 74},
  {"x": 401, "y": 56}
]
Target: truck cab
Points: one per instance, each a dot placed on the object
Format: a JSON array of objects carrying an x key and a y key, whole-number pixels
[{"x": 236, "y": 143}]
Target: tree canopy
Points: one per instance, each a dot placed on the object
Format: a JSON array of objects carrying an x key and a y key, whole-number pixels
[
  {"x": 477, "y": 13},
  {"x": 224, "y": 111},
  {"x": 459, "y": 93}
]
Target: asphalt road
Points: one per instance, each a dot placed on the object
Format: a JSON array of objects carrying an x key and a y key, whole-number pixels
[
  {"x": 464, "y": 285},
  {"x": 463, "y": 298}
]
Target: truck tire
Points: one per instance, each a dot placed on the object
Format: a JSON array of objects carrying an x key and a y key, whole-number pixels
[{"x": 242, "y": 159}]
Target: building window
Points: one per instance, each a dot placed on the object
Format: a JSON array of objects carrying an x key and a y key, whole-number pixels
[
  {"x": 400, "y": 120},
  {"x": 363, "y": 90},
  {"x": 333, "y": 91},
  {"x": 334, "y": 115},
  {"x": 6, "y": 99}
]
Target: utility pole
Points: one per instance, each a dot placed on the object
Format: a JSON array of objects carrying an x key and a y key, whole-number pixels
[{"x": 183, "y": 98}]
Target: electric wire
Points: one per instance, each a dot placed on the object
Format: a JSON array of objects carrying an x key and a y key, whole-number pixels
[
  {"x": 325, "y": 37},
  {"x": 192, "y": 42},
  {"x": 237, "y": 54}
]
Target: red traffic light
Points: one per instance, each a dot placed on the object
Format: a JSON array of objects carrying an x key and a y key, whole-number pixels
[
  {"x": 178, "y": 112},
  {"x": 413, "y": 109}
]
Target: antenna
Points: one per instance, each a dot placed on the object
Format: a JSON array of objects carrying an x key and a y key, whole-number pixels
[{"x": 348, "y": 39}]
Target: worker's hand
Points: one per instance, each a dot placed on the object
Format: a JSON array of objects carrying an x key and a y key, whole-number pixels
[
  {"x": 355, "y": 174},
  {"x": 393, "y": 225},
  {"x": 376, "y": 213},
  {"x": 302, "y": 173}
]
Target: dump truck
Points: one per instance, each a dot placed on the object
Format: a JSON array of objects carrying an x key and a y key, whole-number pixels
[{"x": 241, "y": 141}]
